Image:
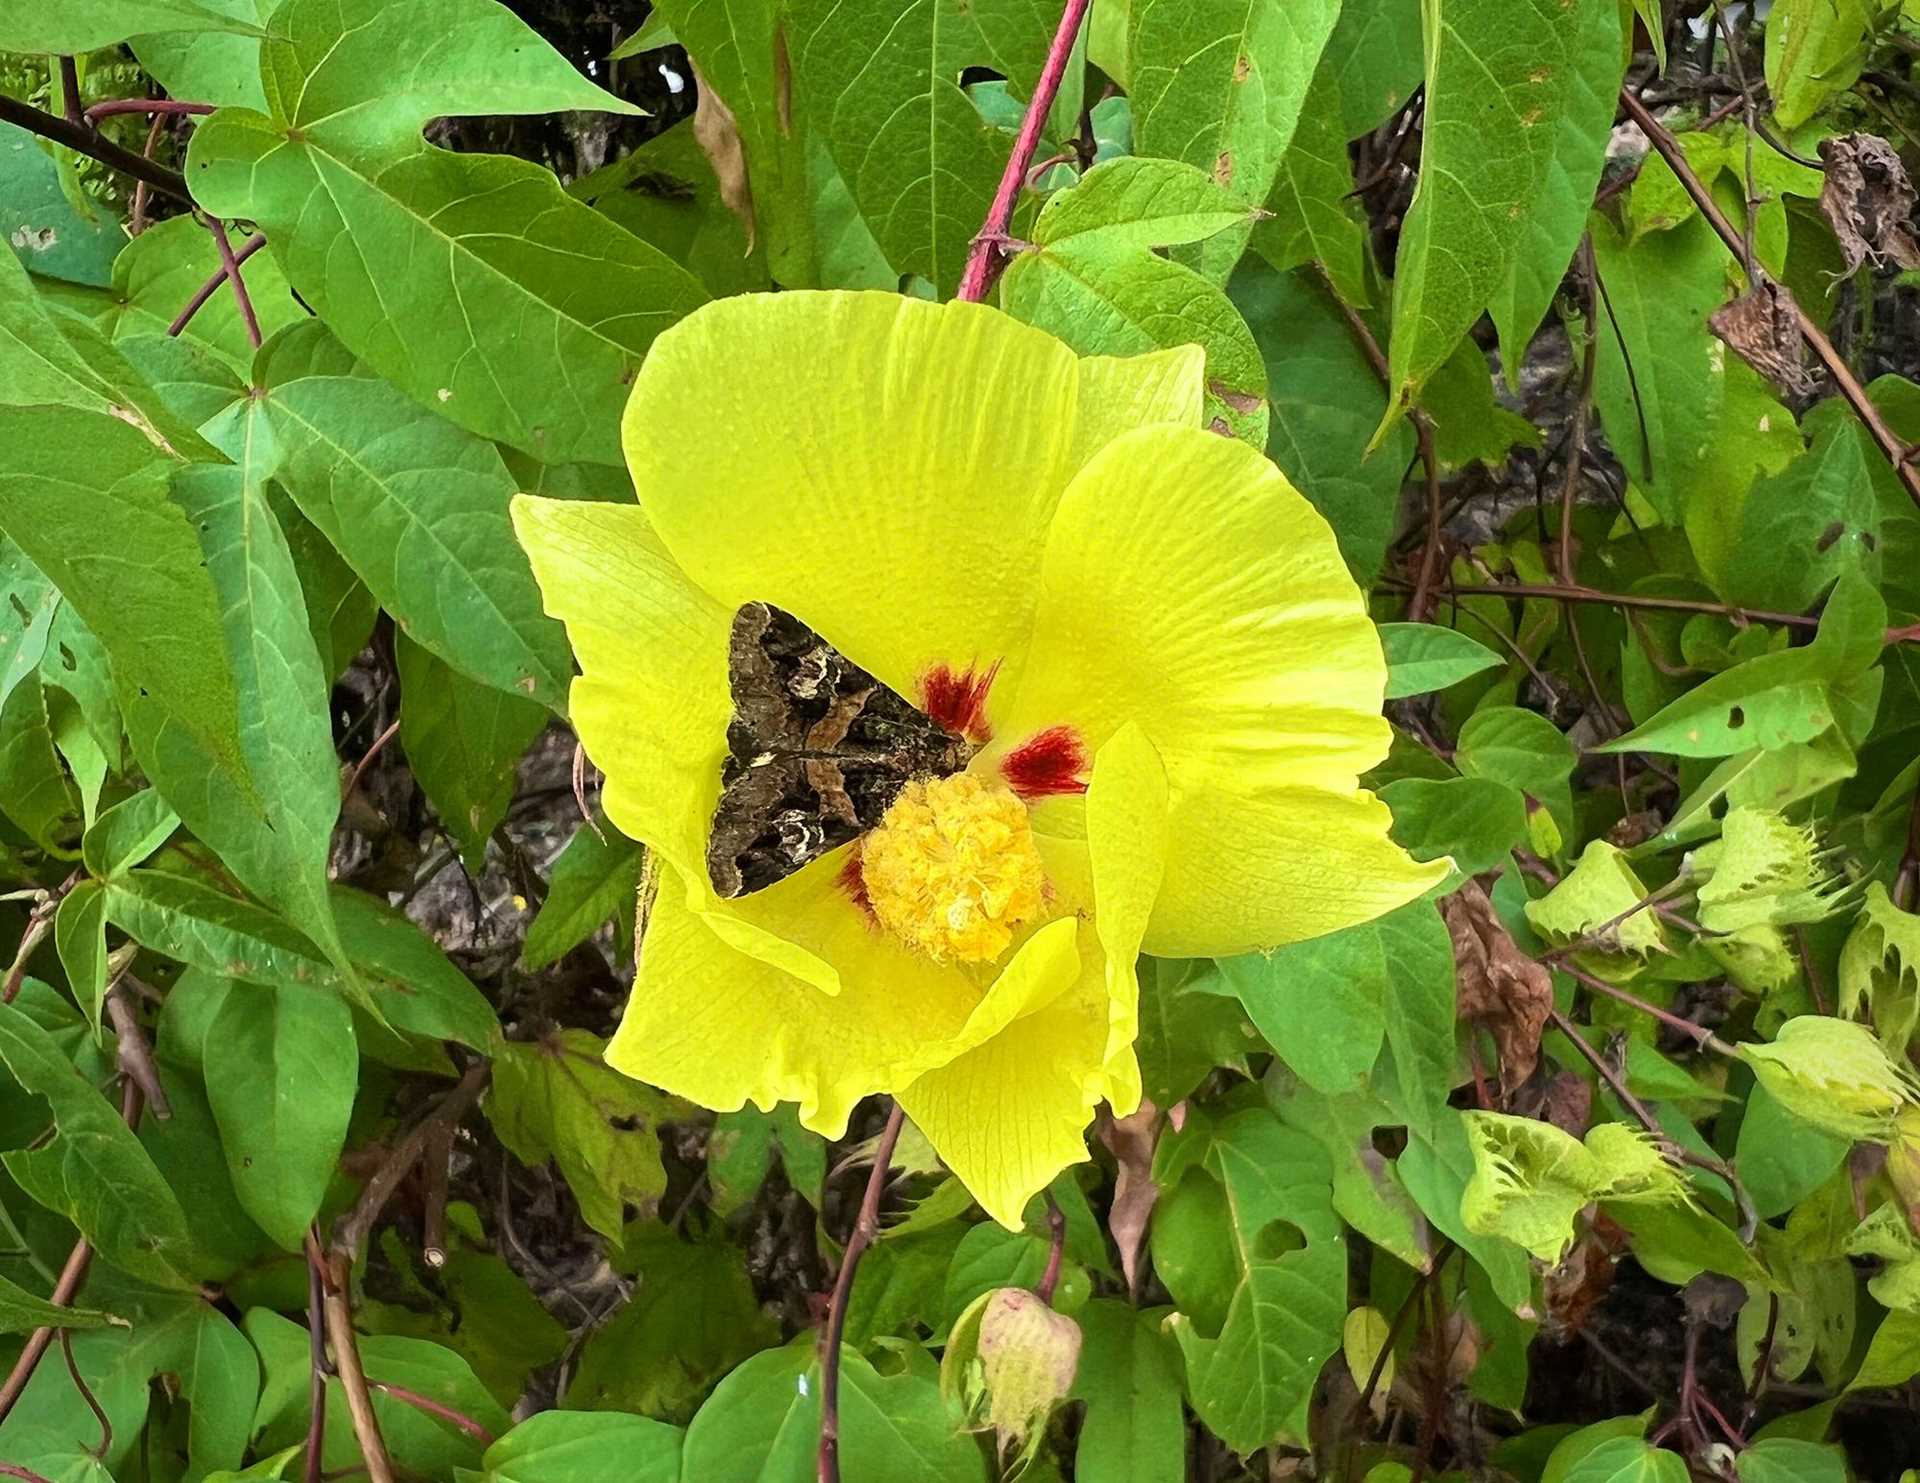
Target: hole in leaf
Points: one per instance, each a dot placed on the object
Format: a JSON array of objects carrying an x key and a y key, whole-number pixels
[{"x": 1736, "y": 718}]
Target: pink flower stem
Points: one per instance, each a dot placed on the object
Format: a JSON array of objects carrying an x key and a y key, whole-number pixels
[
  {"x": 989, "y": 254},
  {"x": 866, "y": 1227},
  {"x": 143, "y": 105}
]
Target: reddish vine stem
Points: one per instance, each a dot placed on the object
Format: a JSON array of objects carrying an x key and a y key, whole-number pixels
[
  {"x": 350, "y": 1232},
  {"x": 137, "y": 217},
  {"x": 230, "y": 270},
  {"x": 39, "y": 924},
  {"x": 430, "y": 1407},
  {"x": 319, "y": 1367},
  {"x": 75, "y": 134},
  {"x": 70, "y": 90},
  {"x": 87, "y": 1395},
  {"x": 988, "y": 254},
  {"x": 1056, "y": 1250},
  {"x": 27, "y": 1475},
  {"x": 336, "y": 1302},
  {"x": 866, "y": 1227},
  {"x": 157, "y": 106},
  {"x": 135, "y": 1054},
  {"x": 1701, "y": 1036},
  {"x": 1906, "y": 883},
  {"x": 207, "y": 290},
  {"x": 366, "y": 759},
  {"x": 1891, "y": 444}
]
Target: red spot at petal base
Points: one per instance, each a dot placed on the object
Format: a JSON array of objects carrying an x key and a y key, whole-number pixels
[
  {"x": 1048, "y": 764},
  {"x": 853, "y": 881},
  {"x": 957, "y": 699}
]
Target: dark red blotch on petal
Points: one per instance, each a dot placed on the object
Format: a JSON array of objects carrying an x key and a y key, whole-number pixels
[
  {"x": 853, "y": 880},
  {"x": 957, "y": 699},
  {"x": 1047, "y": 764}
]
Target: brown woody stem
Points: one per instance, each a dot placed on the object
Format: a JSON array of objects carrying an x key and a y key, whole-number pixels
[{"x": 866, "y": 1226}]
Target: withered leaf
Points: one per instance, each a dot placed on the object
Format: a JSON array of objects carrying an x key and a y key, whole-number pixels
[
  {"x": 718, "y": 135},
  {"x": 1762, "y": 327},
  {"x": 1500, "y": 986},
  {"x": 1131, "y": 1140},
  {"x": 1868, "y": 201}
]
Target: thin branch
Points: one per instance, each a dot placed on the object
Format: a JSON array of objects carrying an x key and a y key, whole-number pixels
[
  {"x": 70, "y": 91},
  {"x": 346, "y": 1359},
  {"x": 1891, "y": 444},
  {"x": 431, "y": 1407},
  {"x": 1577, "y": 438},
  {"x": 866, "y": 1226},
  {"x": 230, "y": 268},
  {"x": 1699, "y": 1034},
  {"x": 366, "y": 760},
  {"x": 988, "y": 254},
  {"x": 159, "y": 107},
  {"x": 14, "y": 1470},
  {"x": 352, "y": 1229},
  {"x": 87, "y": 1395},
  {"x": 39, "y": 924},
  {"x": 207, "y": 290},
  {"x": 1056, "y": 1250},
  {"x": 1906, "y": 881},
  {"x": 318, "y": 1365},
  {"x": 137, "y": 217},
  {"x": 78, "y": 137}
]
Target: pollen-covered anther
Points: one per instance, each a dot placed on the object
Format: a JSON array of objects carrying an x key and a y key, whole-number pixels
[{"x": 953, "y": 870}]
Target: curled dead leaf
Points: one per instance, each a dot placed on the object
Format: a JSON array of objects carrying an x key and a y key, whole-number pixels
[
  {"x": 1500, "y": 986},
  {"x": 1762, "y": 327},
  {"x": 717, "y": 133},
  {"x": 1131, "y": 1140},
  {"x": 1868, "y": 201}
]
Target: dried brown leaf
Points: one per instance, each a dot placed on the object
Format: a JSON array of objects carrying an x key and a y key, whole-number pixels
[
  {"x": 1131, "y": 1140},
  {"x": 717, "y": 133},
  {"x": 1500, "y": 986},
  {"x": 1868, "y": 201},
  {"x": 1762, "y": 327}
]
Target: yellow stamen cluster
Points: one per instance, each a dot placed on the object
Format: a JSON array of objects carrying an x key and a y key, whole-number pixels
[{"x": 953, "y": 869}]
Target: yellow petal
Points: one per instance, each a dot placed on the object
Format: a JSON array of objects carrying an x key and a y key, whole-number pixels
[
  {"x": 651, "y": 703},
  {"x": 1248, "y": 873},
  {"x": 1127, "y": 839},
  {"x": 1121, "y": 392},
  {"x": 1188, "y": 586},
  {"x": 880, "y": 466},
  {"x": 1010, "y": 1114}
]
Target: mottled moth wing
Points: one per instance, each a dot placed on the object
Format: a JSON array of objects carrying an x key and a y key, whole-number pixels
[{"x": 816, "y": 751}]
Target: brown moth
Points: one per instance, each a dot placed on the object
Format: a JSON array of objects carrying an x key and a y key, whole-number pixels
[{"x": 816, "y": 752}]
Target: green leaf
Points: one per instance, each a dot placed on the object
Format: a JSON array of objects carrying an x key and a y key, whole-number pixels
[
  {"x": 165, "y": 265},
  {"x": 1380, "y": 59},
  {"x": 1782, "y": 698},
  {"x": 584, "y": 1447},
  {"x": 419, "y": 510},
  {"x": 557, "y": 1098},
  {"x": 1626, "y": 1460},
  {"x": 1314, "y": 218},
  {"x": 186, "y": 588},
  {"x": 1815, "y": 49},
  {"x": 1581, "y": 125},
  {"x": 464, "y": 742},
  {"x": 1287, "y": 1313},
  {"x": 1660, "y": 379},
  {"x": 597, "y": 876},
  {"x": 762, "y": 1424},
  {"x": 1326, "y": 401},
  {"x": 1189, "y": 1023},
  {"x": 21, "y": 1313},
  {"x": 88, "y": 25},
  {"x": 124, "y": 835},
  {"x": 1136, "y": 202},
  {"x": 53, "y": 234},
  {"x": 1781, "y": 1158},
  {"x": 1134, "y": 1431},
  {"x": 211, "y": 66},
  {"x": 742, "y": 53},
  {"x": 92, "y": 1170},
  {"x": 282, "y": 1094},
  {"x": 415, "y": 986},
  {"x": 1509, "y": 132},
  {"x": 989, "y": 1257},
  {"x": 1524, "y": 750},
  {"x": 1893, "y": 1356},
  {"x": 1469, "y": 425},
  {"x": 1800, "y": 528},
  {"x": 1475, "y": 821},
  {"x": 882, "y": 82},
  {"x": 1110, "y": 301},
  {"x": 1220, "y": 84},
  {"x": 693, "y": 1319},
  {"x": 1786, "y": 1460},
  {"x": 35, "y": 792},
  {"x": 80, "y": 937},
  {"x": 665, "y": 193},
  {"x": 1423, "y": 657}
]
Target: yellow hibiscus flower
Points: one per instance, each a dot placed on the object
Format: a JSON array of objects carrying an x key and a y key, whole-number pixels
[{"x": 1148, "y": 662}]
